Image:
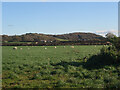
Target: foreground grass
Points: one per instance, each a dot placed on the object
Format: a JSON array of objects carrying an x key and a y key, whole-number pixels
[{"x": 37, "y": 67}]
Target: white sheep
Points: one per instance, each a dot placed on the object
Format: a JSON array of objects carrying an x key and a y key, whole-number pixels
[
  {"x": 55, "y": 47},
  {"x": 15, "y": 48},
  {"x": 20, "y": 48},
  {"x": 45, "y": 48},
  {"x": 64, "y": 46},
  {"x": 72, "y": 46}
]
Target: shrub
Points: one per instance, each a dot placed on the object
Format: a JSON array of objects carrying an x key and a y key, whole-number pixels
[
  {"x": 107, "y": 56},
  {"x": 116, "y": 42},
  {"x": 110, "y": 51}
]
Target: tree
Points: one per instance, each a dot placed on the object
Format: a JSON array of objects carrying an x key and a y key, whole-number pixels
[
  {"x": 115, "y": 45},
  {"x": 116, "y": 42},
  {"x": 110, "y": 35},
  {"x": 16, "y": 39}
]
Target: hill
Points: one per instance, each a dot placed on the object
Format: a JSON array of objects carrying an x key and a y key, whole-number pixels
[
  {"x": 79, "y": 36},
  {"x": 35, "y": 37}
]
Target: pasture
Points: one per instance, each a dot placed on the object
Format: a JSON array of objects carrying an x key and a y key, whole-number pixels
[{"x": 50, "y": 67}]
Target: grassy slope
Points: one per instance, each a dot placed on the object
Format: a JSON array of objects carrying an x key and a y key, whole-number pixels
[
  {"x": 61, "y": 39},
  {"x": 60, "y": 67},
  {"x": 18, "y": 42}
]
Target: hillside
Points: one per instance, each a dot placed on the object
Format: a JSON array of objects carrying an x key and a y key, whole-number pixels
[
  {"x": 34, "y": 37},
  {"x": 79, "y": 36},
  {"x": 28, "y": 37}
]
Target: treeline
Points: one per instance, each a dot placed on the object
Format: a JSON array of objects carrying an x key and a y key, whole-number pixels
[
  {"x": 28, "y": 37},
  {"x": 34, "y": 37},
  {"x": 57, "y": 43},
  {"x": 79, "y": 36}
]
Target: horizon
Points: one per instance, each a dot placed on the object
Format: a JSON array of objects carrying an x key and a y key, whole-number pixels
[
  {"x": 60, "y": 18},
  {"x": 51, "y": 34}
]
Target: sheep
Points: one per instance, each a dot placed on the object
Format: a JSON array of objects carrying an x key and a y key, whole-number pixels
[
  {"x": 72, "y": 46},
  {"x": 36, "y": 42},
  {"x": 15, "y": 48},
  {"x": 20, "y": 48},
  {"x": 64, "y": 46},
  {"x": 55, "y": 47},
  {"x": 45, "y": 48}
]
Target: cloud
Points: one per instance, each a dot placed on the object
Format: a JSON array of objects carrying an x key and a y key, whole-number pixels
[{"x": 104, "y": 32}]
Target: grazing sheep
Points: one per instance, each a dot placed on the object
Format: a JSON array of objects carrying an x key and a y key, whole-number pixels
[
  {"x": 55, "y": 47},
  {"x": 20, "y": 48},
  {"x": 72, "y": 46},
  {"x": 15, "y": 48},
  {"x": 36, "y": 42}
]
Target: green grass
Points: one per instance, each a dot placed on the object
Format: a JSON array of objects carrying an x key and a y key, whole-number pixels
[
  {"x": 61, "y": 39},
  {"x": 18, "y": 42},
  {"x": 38, "y": 67}
]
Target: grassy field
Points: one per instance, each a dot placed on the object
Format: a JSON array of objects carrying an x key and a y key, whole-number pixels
[
  {"x": 37, "y": 67},
  {"x": 18, "y": 42},
  {"x": 61, "y": 39}
]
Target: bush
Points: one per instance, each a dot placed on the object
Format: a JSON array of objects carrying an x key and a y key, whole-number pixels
[
  {"x": 107, "y": 56},
  {"x": 116, "y": 42},
  {"x": 110, "y": 51}
]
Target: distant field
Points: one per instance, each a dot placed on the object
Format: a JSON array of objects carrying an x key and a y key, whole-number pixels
[
  {"x": 52, "y": 67},
  {"x": 18, "y": 42},
  {"x": 61, "y": 39}
]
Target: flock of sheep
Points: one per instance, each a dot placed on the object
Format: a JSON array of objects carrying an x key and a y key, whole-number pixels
[{"x": 15, "y": 48}]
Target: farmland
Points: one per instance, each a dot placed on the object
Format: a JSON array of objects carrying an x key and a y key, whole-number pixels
[{"x": 37, "y": 67}]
